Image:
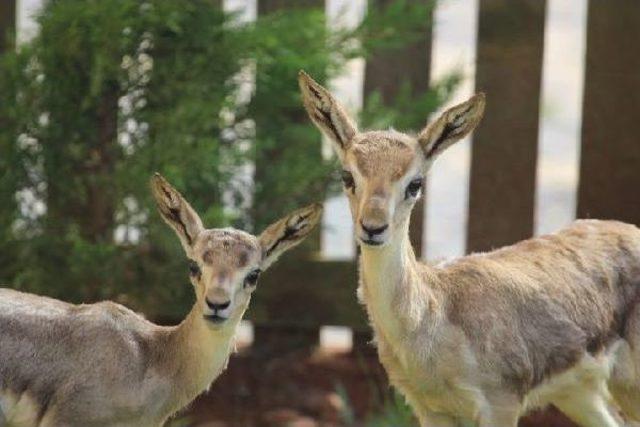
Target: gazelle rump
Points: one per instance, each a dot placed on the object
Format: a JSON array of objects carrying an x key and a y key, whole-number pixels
[
  {"x": 482, "y": 339},
  {"x": 103, "y": 365}
]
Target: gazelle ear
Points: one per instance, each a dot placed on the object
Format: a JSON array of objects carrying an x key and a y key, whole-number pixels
[
  {"x": 287, "y": 232},
  {"x": 453, "y": 125},
  {"x": 176, "y": 211},
  {"x": 327, "y": 113}
]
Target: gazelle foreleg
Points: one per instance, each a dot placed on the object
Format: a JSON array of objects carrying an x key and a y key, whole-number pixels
[
  {"x": 503, "y": 410},
  {"x": 437, "y": 420},
  {"x": 588, "y": 410}
]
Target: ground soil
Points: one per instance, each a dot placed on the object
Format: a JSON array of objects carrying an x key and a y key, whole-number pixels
[{"x": 305, "y": 388}]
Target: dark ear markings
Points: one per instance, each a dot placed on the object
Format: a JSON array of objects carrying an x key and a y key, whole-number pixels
[
  {"x": 315, "y": 91},
  {"x": 323, "y": 115},
  {"x": 450, "y": 129},
  {"x": 166, "y": 193},
  {"x": 174, "y": 215},
  {"x": 289, "y": 233}
]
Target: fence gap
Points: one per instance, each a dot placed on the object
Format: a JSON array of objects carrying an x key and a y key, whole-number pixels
[
  {"x": 453, "y": 51},
  {"x": 560, "y": 116}
]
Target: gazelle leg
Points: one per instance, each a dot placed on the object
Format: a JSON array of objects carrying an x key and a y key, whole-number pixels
[
  {"x": 588, "y": 411},
  {"x": 500, "y": 419},
  {"x": 503, "y": 411},
  {"x": 437, "y": 420}
]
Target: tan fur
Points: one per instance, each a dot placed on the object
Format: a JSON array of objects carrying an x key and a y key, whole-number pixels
[
  {"x": 482, "y": 339},
  {"x": 104, "y": 365}
]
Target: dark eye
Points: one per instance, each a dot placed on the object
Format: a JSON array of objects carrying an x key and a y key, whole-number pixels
[
  {"x": 194, "y": 269},
  {"x": 347, "y": 180},
  {"x": 252, "y": 278},
  {"x": 413, "y": 188}
]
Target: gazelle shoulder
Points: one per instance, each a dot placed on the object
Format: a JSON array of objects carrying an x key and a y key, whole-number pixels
[{"x": 111, "y": 315}]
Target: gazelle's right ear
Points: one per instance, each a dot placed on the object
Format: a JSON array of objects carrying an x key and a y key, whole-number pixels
[
  {"x": 288, "y": 232},
  {"x": 176, "y": 211},
  {"x": 453, "y": 125},
  {"x": 327, "y": 113}
]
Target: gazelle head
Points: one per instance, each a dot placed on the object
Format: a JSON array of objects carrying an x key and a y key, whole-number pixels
[
  {"x": 224, "y": 264},
  {"x": 384, "y": 171}
]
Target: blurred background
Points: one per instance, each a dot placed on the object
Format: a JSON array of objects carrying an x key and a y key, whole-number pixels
[{"x": 96, "y": 95}]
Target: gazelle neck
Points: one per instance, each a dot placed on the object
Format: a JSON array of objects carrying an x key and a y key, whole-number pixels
[
  {"x": 199, "y": 351},
  {"x": 391, "y": 286}
]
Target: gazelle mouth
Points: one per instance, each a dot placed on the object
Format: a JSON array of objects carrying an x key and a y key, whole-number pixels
[
  {"x": 371, "y": 242},
  {"x": 214, "y": 318}
]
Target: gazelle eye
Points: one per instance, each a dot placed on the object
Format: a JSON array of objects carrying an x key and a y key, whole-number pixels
[
  {"x": 347, "y": 180},
  {"x": 413, "y": 189},
  {"x": 194, "y": 269},
  {"x": 252, "y": 277}
]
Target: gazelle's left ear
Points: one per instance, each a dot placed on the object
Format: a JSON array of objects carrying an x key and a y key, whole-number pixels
[
  {"x": 327, "y": 113},
  {"x": 287, "y": 232},
  {"x": 176, "y": 211},
  {"x": 453, "y": 125}
]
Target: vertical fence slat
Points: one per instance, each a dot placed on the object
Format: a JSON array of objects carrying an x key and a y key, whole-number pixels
[
  {"x": 7, "y": 24},
  {"x": 609, "y": 167},
  {"x": 386, "y": 72},
  {"x": 503, "y": 164}
]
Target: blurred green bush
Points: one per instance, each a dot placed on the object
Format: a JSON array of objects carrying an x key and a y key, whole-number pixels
[{"x": 110, "y": 91}]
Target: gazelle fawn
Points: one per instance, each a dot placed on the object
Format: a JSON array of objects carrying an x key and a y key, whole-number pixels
[
  {"x": 103, "y": 365},
  {"x": 484, "y": 338}
]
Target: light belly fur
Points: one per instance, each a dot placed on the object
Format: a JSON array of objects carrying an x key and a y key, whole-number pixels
[
  {"x": 17, "y": 410},
  {"x": 589, "y": 376},
  {"x": 588, "y": 379}
]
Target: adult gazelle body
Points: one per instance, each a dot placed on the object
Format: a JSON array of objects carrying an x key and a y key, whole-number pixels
[
  {"x": 482, "y": 339},
  {"x": 101, "y": 365}
]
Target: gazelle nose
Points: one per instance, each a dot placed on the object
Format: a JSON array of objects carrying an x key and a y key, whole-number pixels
[
  {"x": 217, "y": 306},
  {"x": 373, "y": 231}
]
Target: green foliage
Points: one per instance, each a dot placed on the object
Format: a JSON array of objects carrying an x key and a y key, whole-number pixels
[
  {"x": 395, "y": 412},
  {"x": 396, "y": 24},
  {"x": 409, "y": 111},
  {"x": 111, "y": 91}
]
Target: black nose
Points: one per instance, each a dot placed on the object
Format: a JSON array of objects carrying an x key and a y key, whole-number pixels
[
  {"x": 373, "y": 231},
  {"x": 216, "y": 306}
]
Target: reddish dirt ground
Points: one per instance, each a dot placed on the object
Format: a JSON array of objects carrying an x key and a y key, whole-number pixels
[{"x": 299, "y": 389}]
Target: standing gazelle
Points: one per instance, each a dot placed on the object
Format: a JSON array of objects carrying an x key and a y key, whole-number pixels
[
  {"x": 482, "y": 339},
  {"x": 102, "y": 365}
]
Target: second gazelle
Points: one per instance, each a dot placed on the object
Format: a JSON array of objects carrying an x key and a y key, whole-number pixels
[
  {"x": 484, "y": 338},
  {"x": 102, "y": 365}
]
